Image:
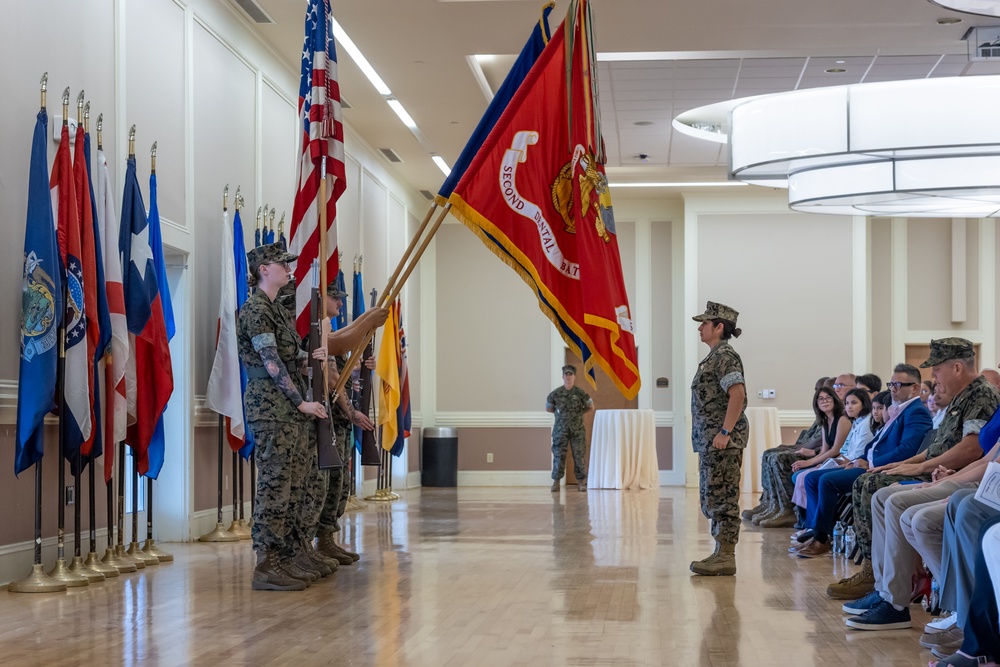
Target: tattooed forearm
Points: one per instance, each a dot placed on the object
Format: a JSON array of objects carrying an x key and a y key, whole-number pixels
[{"x": 279, "y": 373}]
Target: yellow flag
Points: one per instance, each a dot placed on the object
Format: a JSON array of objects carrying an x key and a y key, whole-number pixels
[{"x": 387, "y": 368}]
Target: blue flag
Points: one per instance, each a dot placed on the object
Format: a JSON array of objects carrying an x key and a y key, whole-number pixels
[
  {"x": 41, "y": 309},
  {"x": 529, "y": 54},
  {"x": 242, "y": 294},
  {"x": 357, "y": 310},
  {"x": 103, "y": 316}
]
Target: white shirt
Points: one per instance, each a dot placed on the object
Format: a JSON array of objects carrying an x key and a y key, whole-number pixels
[{"x": 857, "y": 440}]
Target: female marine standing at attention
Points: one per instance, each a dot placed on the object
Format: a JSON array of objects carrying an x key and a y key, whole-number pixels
[
  {"x": 279, "y": 417},
  {"x": 719, "y": 434}
]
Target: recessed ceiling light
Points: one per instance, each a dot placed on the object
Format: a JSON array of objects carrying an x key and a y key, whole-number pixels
[
  {"x": 949, "y": 20},
  {"x": 835, "y": 70},
  {"x": 839, "y": 62},
  {"x": 643, "y": 123}
]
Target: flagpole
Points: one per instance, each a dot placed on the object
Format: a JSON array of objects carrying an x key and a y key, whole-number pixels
[
  {"x": 37, "y": 581},
  {"x": 234, "y": 526},
  {"x": 244, "y": 528},
  {"x": 394, "y": 287},
  {"x": 61, "y": 571},
  {"x": 134, "y": 550},
  {"x": 120, "y": 551},
  {"x": 149, "y": 547}
]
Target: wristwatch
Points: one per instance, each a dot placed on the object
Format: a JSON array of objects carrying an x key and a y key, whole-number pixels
[{"x": 724, "y": 432}]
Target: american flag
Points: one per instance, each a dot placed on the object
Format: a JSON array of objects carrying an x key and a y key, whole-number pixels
[{"x": 322, "y": 136}]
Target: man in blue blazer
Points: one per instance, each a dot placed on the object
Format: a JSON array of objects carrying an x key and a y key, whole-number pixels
[{"x": 899, "y": 439}]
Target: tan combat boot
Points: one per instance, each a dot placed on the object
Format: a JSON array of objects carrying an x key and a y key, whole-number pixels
[
  {"x": 319, "y": 559},
  {"x": 721, "y": 563},
  {"x": 328, "y": 548},
  {"x": 761, "y": 507},
  {"x": 853, "y": 588},
  {"x": 783, "y": 518},
  {"x": 269, "y": 576},
  {"x": 555, "y": 487}
]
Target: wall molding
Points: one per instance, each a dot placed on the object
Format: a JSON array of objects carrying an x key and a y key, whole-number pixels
[{"x": 527, "y": 419}]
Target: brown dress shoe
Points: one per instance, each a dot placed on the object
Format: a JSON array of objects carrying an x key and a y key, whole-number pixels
[{"x": 814, "y": 549}]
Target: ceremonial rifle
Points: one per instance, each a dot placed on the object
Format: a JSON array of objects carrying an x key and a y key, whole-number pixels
[
  {"x": 370, "y": 454},
  {"x": 326, "y": 439}
]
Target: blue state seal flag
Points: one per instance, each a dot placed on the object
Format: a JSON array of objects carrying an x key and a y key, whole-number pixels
[{"x": 41, "y": 309}]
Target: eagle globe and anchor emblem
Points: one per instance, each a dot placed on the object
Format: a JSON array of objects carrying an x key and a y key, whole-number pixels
[{"x": 38, "y": 335}]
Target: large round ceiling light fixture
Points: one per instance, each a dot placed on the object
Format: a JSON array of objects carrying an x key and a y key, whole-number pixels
[
  {"x": 928, "y": 147},
  {"x": 980, "y": 7}
]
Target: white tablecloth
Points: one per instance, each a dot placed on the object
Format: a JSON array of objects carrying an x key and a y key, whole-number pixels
[
  {"x": 765, "y": 433},
  {"x": 623, "y": 450}
]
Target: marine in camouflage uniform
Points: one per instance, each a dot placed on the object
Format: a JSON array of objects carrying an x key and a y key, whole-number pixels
[
  {"x": 569, "y": 404},
  {"x": 777, "y": 488},
  {"x": 281, "y": 432},
  {"x": 967, "y": 414},
  {"x": 719, "y": 470}
]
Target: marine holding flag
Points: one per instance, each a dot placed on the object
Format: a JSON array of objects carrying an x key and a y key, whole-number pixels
[{"x": 537, "y": 195}]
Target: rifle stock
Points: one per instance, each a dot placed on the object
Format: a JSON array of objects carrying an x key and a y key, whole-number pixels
[{"x": 326, "y": 439}]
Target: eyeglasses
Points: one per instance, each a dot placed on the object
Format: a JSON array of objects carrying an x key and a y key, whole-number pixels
[
  {"x": 824, "y": 397},
  {"x": 897, "y": 385},
  {"x": 841, "y": 386}
]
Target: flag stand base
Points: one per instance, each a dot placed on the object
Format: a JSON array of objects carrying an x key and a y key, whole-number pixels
[
  {"x": 383, "y": 496},
  {"x": 127, "y": 557},
  {"x": 79, "y": 567},
  {"x": 149, "y": 548},
  {"x": 219, "y": 535},
  {"x": 240, "y": 529},
  {"x": 61, "y": 572},
  {"x": 355, "y": 504},
  {"x": 95, "y": 564},
  {"x": 112, "y": 558},
  {"x": 136, "y": 552},
  {"x": 36, "y": 582}
]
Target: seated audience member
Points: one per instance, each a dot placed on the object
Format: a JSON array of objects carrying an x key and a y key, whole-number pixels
[
  {"x": 806, "y": 445},
  {"x": 843, "y": 383},
  {"x": 992, "y": 377},
  {"x": 899, "y": 439},
  {"x": 880, "y": 411},
  {"x": 870, "y": 383},
  {"x": 955, "y": 445},
  {"x": 834, "y": 427},
  {"x": 938, "y": 404},
  {"x": 981, "y": 632},
  {"x": 926, "y": 389},
  {"x": 907, "y": 519},
  {"x": 858, "y": 409}
]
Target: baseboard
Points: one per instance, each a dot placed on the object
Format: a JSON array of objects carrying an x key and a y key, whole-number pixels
[
  {"x": 672, "y": 478},
  {"x": 413, "y": 479},
  {"x": 504, "y": 478},
  {"x": 368, "y": 488}
]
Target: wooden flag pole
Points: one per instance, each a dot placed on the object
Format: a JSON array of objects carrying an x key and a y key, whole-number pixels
[
  {"x": 409, "y": 251},
  {"x": 394, "y": 288}
]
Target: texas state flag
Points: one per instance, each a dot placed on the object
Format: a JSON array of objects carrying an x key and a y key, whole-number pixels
[{"x": 148, "y": 346}]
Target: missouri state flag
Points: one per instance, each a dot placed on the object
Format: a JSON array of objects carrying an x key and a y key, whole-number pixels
[{"x": 536, "y": 194}]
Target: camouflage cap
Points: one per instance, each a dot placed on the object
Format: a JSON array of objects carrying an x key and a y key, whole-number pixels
[
  {"x": 948, "y": 349},
  {"x": 268, "y": 254},
  {"x": 717, "y": 311},
  {"x": 569, "y": 368},
  {"x": 335, "y": 292}
]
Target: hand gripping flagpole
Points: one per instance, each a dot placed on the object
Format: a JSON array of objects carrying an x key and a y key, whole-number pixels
[
  {"x": 37, "y": 581},
  {"x": 61, "y": 571},
  {"x": 219, "y": 533}
]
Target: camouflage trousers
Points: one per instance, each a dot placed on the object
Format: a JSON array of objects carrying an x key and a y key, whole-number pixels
[
  {"x": 776, "y": 475},
  {"x": 719, "y": 485},
  {"x": 574, "y": 441},
  {"x": 282, "y": 462},
  {"x": 861, "y": 497},
  {"x": 315, "y": 490},
  {"x": 338, "y": 488}
]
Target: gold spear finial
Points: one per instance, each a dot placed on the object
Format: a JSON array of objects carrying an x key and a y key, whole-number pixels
[
  {"x": 271, "y": 219},
  {"x": 100, "y": 132},
  {"x": 44, "y": 86},
  {"x": 257, "y": 224},
  {"x": 239, "y": 198},
  {"x": 225, "y": 197},
  {"x": 79, "y": 108},
  {"x": 65, "y": 105},
  {"x": 86, "y": 117},
  {"x": 152, "y": 158},
  {"x": 281, "y": 224},
  {"x": 131, "y": 142}
]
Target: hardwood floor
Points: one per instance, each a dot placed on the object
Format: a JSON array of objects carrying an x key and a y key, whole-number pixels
[{"x": 484, "y": 576}]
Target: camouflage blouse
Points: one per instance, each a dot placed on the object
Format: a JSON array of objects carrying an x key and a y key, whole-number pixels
[
  {"x": 717, "y": 373},
  {"x": 966, "y": 415},
  {"x": 569, "y": 406},
  {"x": 265, "y": 323}
]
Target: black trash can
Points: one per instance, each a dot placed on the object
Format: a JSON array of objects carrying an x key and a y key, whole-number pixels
[{"x": 440, "y": 449}]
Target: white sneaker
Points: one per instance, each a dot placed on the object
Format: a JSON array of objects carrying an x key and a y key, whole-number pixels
[{"x": 942, "y": 623}]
